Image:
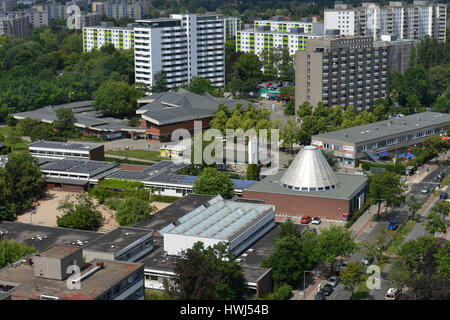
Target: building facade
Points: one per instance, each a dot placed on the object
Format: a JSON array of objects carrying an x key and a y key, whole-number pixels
[
  {"x": 7, "y": 5},
  {"x": 258, "y": 40},
  {"x": 182, "y": 46},
  {"x": 97, "y": 37},
  {"x": 15, "y": 25},
  {"x": 62, "y": 150},
  {"x": 384, "y": 138},
  {"x": 347, "y": 70},
  {"x": 232, "y": 25},
  {"x": 405, "y": 21},
  {"x": 83, "y": 20},
  {"x": 119, "y": 10}
]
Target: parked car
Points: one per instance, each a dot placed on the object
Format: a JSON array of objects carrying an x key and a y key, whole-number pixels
[
  {"x": 392, "y": 294},
  {"x": 393, "y": 225},
  {"x": 366, "y": 261},
  {"x": 320, "y": 296},
  {"x": 444, "y": 195},
  {"x": 327, "y": 289},
  {"x": 306, "y": 219},
  {"x": 316, "y": 220},
  {"x": 440, "y": 175},
  {"x": 343, "y": 266},
  {"x": 425, "y": 189},
  {"x": 448, "y": 159},
  {"x": 333, "y": 281}
]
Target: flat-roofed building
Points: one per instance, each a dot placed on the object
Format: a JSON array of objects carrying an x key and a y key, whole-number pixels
[
  {"x": 245, "y": 223},
  {"x": 97, "y": 37},
  {"x": 382, "y": 138},
  {"x": 75, "y": 175},
  {"x": 51, "y": 275},
  {"x": 62, "y": 150},
  {"x": 120, "y": 244}
]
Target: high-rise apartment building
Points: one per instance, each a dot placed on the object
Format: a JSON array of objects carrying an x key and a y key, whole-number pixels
[
  {"x": 15, "y": 25},
  {"x": 232, "y": 25},
  {"x": 97, "y": 37},
  {"x": 7, "y": 5},
  {"x": 404, "y": 21},
  {"x": 118, "y": 10},
  {"x": 182, "y": 46},
  {"x": 86, "y": 20},
  {"x": 262, "y": 38},
  {"x": 350, "y": 70}
]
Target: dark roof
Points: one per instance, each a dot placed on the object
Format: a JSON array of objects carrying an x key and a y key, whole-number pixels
[
  {"x": 64, "y": 145},
  {"x": 42, "y": 237},
  {"x": 59, "y": 251},
  {"x": 173, "y": 107},
  {"x": 120, "y": 238},
  {"x": 78, "y": 166},
  {"x": 385, "y": 129},
  {"x": 157, "y": 259},
  {"x": 350, "y": 185},
  {"x": 173, "y": 212},
  {"x": 74, "y": 182}
]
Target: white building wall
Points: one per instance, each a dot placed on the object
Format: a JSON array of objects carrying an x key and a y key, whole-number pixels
[
  {"x": 175, "y": 243},
  {"x": 344, "y": 20},
  {"x": 97, "y": 37}
]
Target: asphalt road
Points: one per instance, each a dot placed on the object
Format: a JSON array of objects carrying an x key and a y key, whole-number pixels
[{"x": 401, "y": 214}]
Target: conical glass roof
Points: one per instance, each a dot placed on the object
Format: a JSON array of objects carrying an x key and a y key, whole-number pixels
[{"x": 310, "y": 172}]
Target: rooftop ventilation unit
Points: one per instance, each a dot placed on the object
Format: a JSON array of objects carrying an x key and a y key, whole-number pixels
[{"x": 46, "y": 297}]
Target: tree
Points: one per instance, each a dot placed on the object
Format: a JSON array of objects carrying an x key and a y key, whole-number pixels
[
  {"x": 252, "y": 171},
  {"x": 159, "y": 82},
  {"x": 7, "y": 209},
  {"x": 336, "y": 241},
  {"x": 10, "y": 252},
  {"x": 443, "y": 259},
  {"x": 413, "y": 251},
  {"x": 288, "y": 133},
  {"x": 414, "y": 205},
  {"x": 330, "y": 158},
  {"x": 213, "y": 182},
  {"x": 41, "y": 132},
  {"x": 443, "y": 208},
  {"x": 26, "y": 125},
  {"x": 207, "y": 274},
  {"x": 22, "y": 180},
  {"x": 201, "y": 85},
  {"x": 386, "y": 187},
  {"x": 248, "y": 66},
  {"x": 353, "y": 275},
  {"x": 133, "y": 210},
  {"x": 435, "y": 224},
  {"x": 65, "y": 122},
  {"x": 78, "y": 212},
  {"x": 282, "y": 292},
  {"x": 13, "y": 138},
  {"x": 116, "y": 98}
]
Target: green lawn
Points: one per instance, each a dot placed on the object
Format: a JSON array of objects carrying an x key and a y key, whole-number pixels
[
  {"x": 400, "y": 235},
  {"x": 140, "y": 154},
  {"x": 23, "y": 145},
  {"x": 127, "y": 161},
  {"x": 156, "y": 295},
  {"x": 446, "y": 181}
]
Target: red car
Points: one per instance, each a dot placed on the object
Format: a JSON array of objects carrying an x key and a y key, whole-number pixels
[{"x": 306, "y": 219}]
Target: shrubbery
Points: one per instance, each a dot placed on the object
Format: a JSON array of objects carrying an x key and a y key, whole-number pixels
[{"x": 159, "y": 198}]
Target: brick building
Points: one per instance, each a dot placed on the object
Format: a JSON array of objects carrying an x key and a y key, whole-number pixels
[
  {"x": 310, "y": 187},
  {"x": 163, "y": 113}
]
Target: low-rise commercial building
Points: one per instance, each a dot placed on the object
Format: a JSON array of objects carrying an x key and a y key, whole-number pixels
[
  {"x": 63, "y": 150},
  {"x": 382, "y": 138},
  {"x": 163, "y": 113},
  {"x": 49, "y": 276},
  {"x": 245, "y": 223}
]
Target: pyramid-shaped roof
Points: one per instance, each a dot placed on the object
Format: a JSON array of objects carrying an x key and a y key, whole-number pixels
[{"x": 310, "y": 172}]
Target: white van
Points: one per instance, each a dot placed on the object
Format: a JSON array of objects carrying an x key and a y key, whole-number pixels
[{"x": 392, "y": 294}]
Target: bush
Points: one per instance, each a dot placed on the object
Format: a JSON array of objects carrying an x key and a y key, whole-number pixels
[
  {"x": 357, "y": 214},
  {"x": 252, "y": 172},
  {"x": 398, "y": 168},
  {"x": 159, "y": 198},
  {"x": 11, "y": 251},
  {"x": 133, "y": 210},
  {"x": 100, "y": 194},
  {"x": 82, "y": 218},
  {"x": 120, "y": 184},
  {"x": 283, "y": 292}
]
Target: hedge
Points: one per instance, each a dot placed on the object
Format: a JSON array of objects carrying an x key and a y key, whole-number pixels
[
  {"x": 398, "y": 168},
  {"x": 169, "y": 199},
  {"x": 358, "y": 213},
  {"x": 120, "y": 184}
]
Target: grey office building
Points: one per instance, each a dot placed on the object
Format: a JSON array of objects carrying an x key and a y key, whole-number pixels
[
  {"x": 381, "y": 139},
  {"x": 347, "y": 70}
]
